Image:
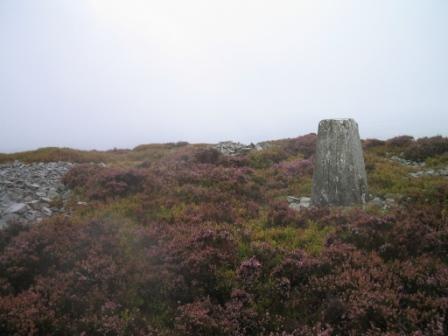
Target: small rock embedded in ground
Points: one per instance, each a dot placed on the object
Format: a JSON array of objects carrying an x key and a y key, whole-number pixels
[
  {"x": 27, "y": 190},
  {"x": 377, "y": 202},
  {"x": 297, "y": 203},
  {"x": 406, "y": 162},
  {"x": 293, "y": 199},
  {"x": 431, "y": 172},
  {"x": 382, "y": 203}
]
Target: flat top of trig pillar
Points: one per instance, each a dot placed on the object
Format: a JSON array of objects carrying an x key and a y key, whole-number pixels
[{"x": 339, "y": 120}]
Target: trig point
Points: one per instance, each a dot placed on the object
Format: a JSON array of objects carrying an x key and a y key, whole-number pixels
[{"x": 339, "y": 174}]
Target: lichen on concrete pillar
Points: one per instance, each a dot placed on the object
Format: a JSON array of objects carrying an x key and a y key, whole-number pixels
[{"x": 339, "y": 174}]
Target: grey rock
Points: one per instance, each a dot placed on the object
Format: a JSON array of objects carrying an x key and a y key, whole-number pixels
[
  {"x": 235, "y": 148},
  {"x": 292, "y": 199},
  {"x": 390, "y": 201},
  {"x": 32, "y": 185},
  {"x": 35, "y": 204},
  {"x": 305, "y": 202},
  {"x": 16, "y": 208},
  {"x": 405, "y": 162},
  {"x": 430, "y": 172},
  {"x": 43, "y": 205},
  {"x": 47, "y": 211},
  {"x": 28, "y": 198},
  {"x": 295, "y": 206},
  {"x": 298, "y": 203},
  {"x": 53, "y": 194},
  {"x": 340, "y": 176},
  {"x": 31, "y": 215},
  {"x": 377, "y": 201},
  {"x": 232, "y": 148}
]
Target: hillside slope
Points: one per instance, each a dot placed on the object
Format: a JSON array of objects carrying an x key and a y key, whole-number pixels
[{"x": 180, "y": 239}]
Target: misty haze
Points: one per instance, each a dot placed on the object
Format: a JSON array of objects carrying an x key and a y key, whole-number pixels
[
  {"x": 228, "y": 168},
  {"x": 99, "y": 74}
]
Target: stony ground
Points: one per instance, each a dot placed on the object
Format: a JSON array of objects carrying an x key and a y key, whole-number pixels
[{"x": 31, "y": 192}]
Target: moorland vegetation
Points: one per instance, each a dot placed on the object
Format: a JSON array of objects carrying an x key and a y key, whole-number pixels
[{"x": 178, "y": 239}]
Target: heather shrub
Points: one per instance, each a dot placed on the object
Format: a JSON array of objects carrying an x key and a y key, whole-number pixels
[
  {"x": 263, "y": 251},
  {"x": 202, "y": 318},
  {"x": 80, "y": 175},
  {"x": 400, "y": 141},
  {"x": 296, "y": 168},
  {"x": 102, "y": 183},
  {"x": 280, "y": 214},
  {"x": 437, "y": 161},
  {"x": 113, "y": 183},
  {"x": 69, "y": 278},
  {"x": 394, "y": 235},
  {"x": 52, "y": 154},
  {"x": 207, "y": 155},
  {"x": 195, "y": 243},
  {"x": 423, "y": 148},
  {"x": 354, "y": 301},
  {"x": 366, "y": 231},
  {"x": 267, "y": 157},
  {"x": 298, "y": 267},
  {"x": 200, "y": 260},
  {"x": 177, "y": 144},
  {"x": 147, "y": 147},
  {"x": 235, "y": 161},
  {"x": 249, "y": 271},
  {"x": 305, "y": 145},
  {"x": 10, "y": 231},
  {"x": 372, "y": 143},
  {"x": 388, "y": 178}
]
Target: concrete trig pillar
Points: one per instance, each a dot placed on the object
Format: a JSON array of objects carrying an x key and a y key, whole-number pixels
[{"x": 339, "y": 173}]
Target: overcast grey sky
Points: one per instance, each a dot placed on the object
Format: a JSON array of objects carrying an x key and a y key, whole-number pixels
[{"x": 109, "y": 73}]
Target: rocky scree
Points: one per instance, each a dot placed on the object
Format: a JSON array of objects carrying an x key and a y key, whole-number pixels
[
  {"x": 31, "y": 192},
  {"x": 419, "y": 166},
  {"x": 235, "y": 148},
  {"x": 298, "y": 203}
]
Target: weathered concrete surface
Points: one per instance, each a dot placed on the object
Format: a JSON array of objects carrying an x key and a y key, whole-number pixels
[{"x": 339, "y": 175}]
